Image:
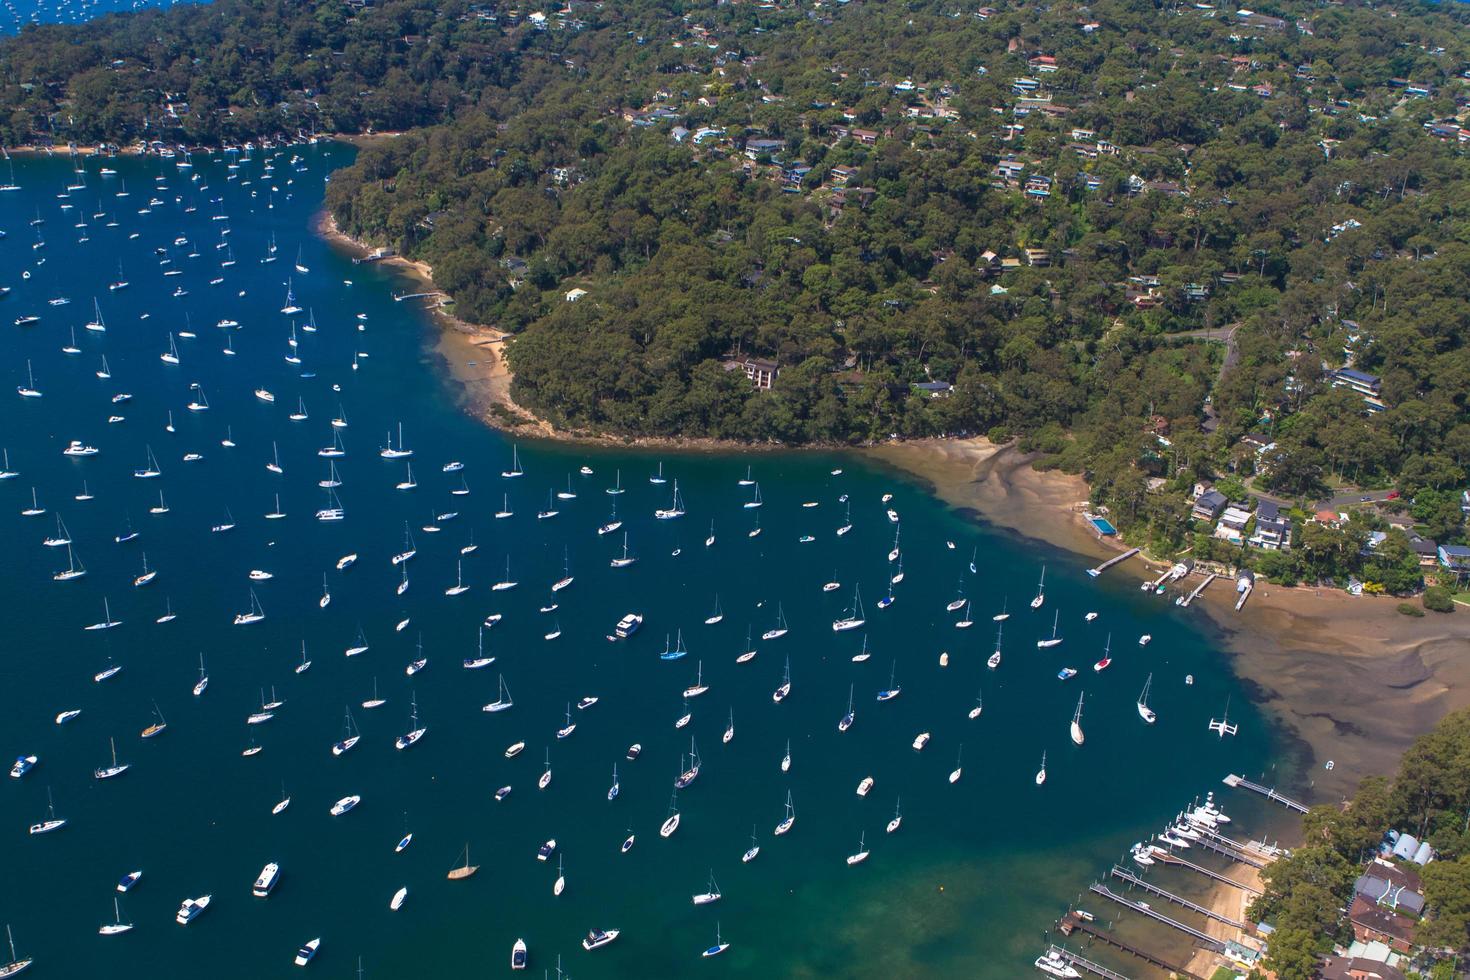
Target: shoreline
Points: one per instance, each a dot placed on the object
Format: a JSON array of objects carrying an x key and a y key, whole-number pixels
[
  {"x": 1320, "y": 662},
  {"x": 1323, "y": 664}
]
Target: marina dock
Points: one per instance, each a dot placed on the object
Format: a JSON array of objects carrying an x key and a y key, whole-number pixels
[
  {"x": 1095, "y": 572},
  {"x": 1174, "y": 859},
  {"x": 1204, "y": 939},
  {"x": 1240, "y": 782},
  {"x": 1123, "y": 874},
  {"x": 1072, "y": 922},
  {"x": 1186, "y": 600},
  {"x": 1227, "y": 851}
]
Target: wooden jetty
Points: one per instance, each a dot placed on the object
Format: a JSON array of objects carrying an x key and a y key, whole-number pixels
[
  {"x": 1240, "y": 782},
  {"x": 1095, "y": 572},
  {"x": 1227, "y": 851},
  {"x": 1072, "y": 922},
  {"x": 1203, "y": 938},
  {"x": 1082, "y": 963},
  {"x": 1175, "y": 859},
  {"x": 1186, "y": 600},
  {"x": 1123, "y": 874}
]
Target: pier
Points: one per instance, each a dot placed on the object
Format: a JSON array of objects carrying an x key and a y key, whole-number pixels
[
  {"x": 1199, "y": 588},
  {"x": 399, "y": 299},
  {"x": 1204, "y": 939},
  {"x": 1095, "y": 572},
  {"x": 1240, "y": 782},
  {"x": 1245, "y": 593},
  {"x": 1174, "y": 859},
  {"x": 1123, "y": 874},
  {"x": 1082, "y": 963},
  {"x": 1072, "y": 922},
  {"x": 1227, "y": 851}
]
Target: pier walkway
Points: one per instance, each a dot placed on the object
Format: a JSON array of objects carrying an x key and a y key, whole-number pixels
[
  {"x": 1186, "y": 600},
  {"x": 1142, "y": 908},
  {"x": 1174, "y": 859},
  {"x": 1240, "y": 782},
  {"x": 1082, "y": 963},
  {"x": 1072, "y": 922},
  {"x": 1123, "y": 874},
  {"x": 1095, "y": 572}
]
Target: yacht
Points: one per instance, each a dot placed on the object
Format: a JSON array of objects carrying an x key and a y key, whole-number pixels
[
  {"x": 1053, "y": 964},
  {"x": 191, "y": 909},
  {"x": 23, "y": 765},
  {"x": 518, "y": 955},
  {"x": 396, "y": 902},
  {"x": 126, "y": 882},
  {"x": 266, "y": 882},
  {"x": 344, "y": 804},
  {"x": 597, "y": 938},
  {"x": 305, "y": 954}
]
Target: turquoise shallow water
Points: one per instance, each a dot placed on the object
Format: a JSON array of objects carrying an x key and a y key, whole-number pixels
[{"x": 965, "y": 888}]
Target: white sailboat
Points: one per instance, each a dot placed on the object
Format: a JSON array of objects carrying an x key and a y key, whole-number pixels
[
  {"x": 788, "y": 821},
  {"x": 1076, "y": 726},
  {"x": 1054, "y": 639},
  {"x": 1144, "y": 711},
  {"x": 853, "y": 617},
  {"x": 501, "y": 703}
]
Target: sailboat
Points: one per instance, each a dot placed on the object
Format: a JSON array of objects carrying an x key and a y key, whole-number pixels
[
  {"x": 375, "y": 701},
  {"x": 350, "y": 735},
  {"x": 1107, "y": 658},
  {"x": 847, "y": 718},
  {"x": 74, "y": 568},
  {"x": 699, "y": 686},
  {"x": 954, "y": 776},
  {"x": 501, "y": 703},
  {"x": 1040, "y": 590},
  {"x": 751, "y": 851},
  {"x": 157, "y": 726},
  {"x": 675, "y": 509},
  {"x": 275, "y": 464},
  {"x": 781, "y": 692},
  {"x": 853, "y": 617},
  {"x": 994, "y": 660},
  {"x": 626, "y": 559},
  {"x": 107, "y": 772},
  {"x": 391, "y": 452},
  {"x": 566, "y": 574},
  {"x": 719, "y": 947},
  {"x": 711, "y": 893},
  {"x": 170, "y": 356},
  {"x": 892, "y": 690},
  {"x": 965, "y": 622},
  {"x": 1144, "y": 711},
  {"x": 116, "y": 927},
  {"x": 789, "y": 820},
  {"x": 361, "y": 646},
  {"x": 1041, "y": 773},
  {"x": 755, "y": 501},
  {"x": 107, "y": 623},
  {"x": 862, "y": 851},
  {"x": 415, "y": 732},
  {"x": 786, "y": 759},
  {"x": 458, "y": 588},
  {"x": 97, "y": 324},
  {"x": 255, "y": 615},
  {"x": 1076, "y": 727},
  {"x": 671, "y": 822},
  {"x": 560, "y": 885},
  {"x": 16, "y": 964},
  {"x": 507, "y": 582},
  {"x": 462, "y": 871},
  {"x": 282, "y": 804},
  {"x": 566, "y": 730},
  {"x": 408, "y": 482},
  {"x": 29, "y": 389},
  {"x": 780, "y": 629},
  {"x": 203, "y": 682},
  {"x": 1054, "y": 640},
  {"x": 749, "y": 653},
  {"x": 515, "y": 463},
  {"x": 545, "y": 778},
  {"x": 615, "y": 788},
  {"x": 52, "y": 821},
  {"x": 300, "y": 266},
  {"x": 715, "y": 616}
]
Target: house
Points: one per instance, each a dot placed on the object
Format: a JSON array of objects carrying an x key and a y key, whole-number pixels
[
  {"x": 934, "y": 389},
  {"x": 1392, "y": 887},
  {"x": 1232, "y": 524},
  {"x": 1257, "y": 443},
  {"x": 1273, "y": 531},
  {"x": 761, "y": 372},
  {"x": 575, "y": 294},
  {"x": 1358, "y": 968},
  {"x": 1037, "y": 256},
  {"x": 867, "y": 137},
  {"x": 769, "y": 147},
  {"x": 1367, "y": 385},
  {"x": 1455, "y": 557},
  {"x": 1371, "y": 923},
  {"x": 1209, "y": 505},
  {"x": 1425, "y": 548}
]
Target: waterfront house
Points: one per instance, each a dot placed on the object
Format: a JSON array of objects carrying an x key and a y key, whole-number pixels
[
  {"x": 1208, "y": 505},
  {"x": 1371, "y": 923},
  {"x": 1358, "y": 968},
  {"x": 1455, "y": 557},
  {"x": 1389, "y": 886},
  {"x": 1232, "y": 524},
  {"x": 1273, "y": 531}
]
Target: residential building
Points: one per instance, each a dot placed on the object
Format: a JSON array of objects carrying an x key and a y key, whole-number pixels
[
  {"x": 1208, "y": 505},
  {"x": 1359, "y": 968},
  {"x": 575, "y": 294},
  {"x": 1455, "y": 557},
  {"x": 1273, "y": 531},
  {"x": 1372, "y": 923}
]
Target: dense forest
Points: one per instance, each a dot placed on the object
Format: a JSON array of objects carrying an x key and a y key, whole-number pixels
[
  {"x": 1060, "y": 211},
  {"x": 1428, "y": 798}
]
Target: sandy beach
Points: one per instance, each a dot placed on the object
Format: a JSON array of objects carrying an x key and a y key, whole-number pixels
[{"x": 1351, "y": 677}]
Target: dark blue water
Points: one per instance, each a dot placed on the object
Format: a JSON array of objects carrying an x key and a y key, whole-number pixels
[
  {"x": 16, "y": 14},
  {"x": 965, "y": 888}
]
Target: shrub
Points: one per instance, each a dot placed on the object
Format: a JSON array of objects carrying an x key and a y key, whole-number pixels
[
  {"x": 1437, "y": 598},
  {"x": 1409, "y": 609}
]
